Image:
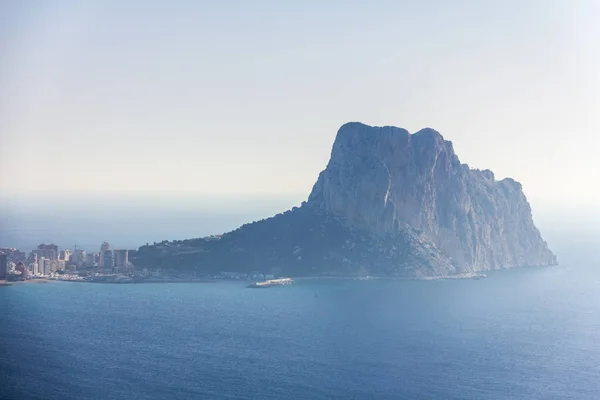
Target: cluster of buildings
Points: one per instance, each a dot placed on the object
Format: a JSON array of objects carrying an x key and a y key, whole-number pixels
[{"x": 47, "y": 260}]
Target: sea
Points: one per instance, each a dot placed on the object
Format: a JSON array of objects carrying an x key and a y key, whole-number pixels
[{"x": 518, "y": 334}]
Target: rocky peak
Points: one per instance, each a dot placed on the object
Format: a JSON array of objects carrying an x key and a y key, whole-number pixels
[{"x": 383, "y": 179}]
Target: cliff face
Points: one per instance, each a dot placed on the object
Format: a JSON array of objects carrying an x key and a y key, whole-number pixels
[
  {"x": 385, "y": 179},
  {"x": 388, "y": 203}
]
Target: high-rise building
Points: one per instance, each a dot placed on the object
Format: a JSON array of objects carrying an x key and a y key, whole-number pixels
[
  {"x": 40, "y": 266},
  {"x": 121, "y": 259},
  {"x": 13, "y": 255},
  {"x": 78, "y": 257},
  {"x": 61, "y": 265},
  {"x": 3, "y": 265},
  {"x": 65, "y": 255},
  {"x": 103, "y": 247},
  {"x": 53, "y": 265},
  {"x": 47, "y": 266},
  {"x": 90, "y": 259},
  {"x": 49, "y": 251},
  {"x": 107, "y": 259}
]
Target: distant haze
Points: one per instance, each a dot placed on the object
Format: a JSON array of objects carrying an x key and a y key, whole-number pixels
[
  {"x": 128, "y": 222},
  {"x": 235, "y": 101}
]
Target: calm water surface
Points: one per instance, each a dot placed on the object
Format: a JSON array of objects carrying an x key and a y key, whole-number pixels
[{"x": 528, "y": 334}]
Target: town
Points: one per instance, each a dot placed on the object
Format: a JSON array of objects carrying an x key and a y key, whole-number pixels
[
  {"x": 47, "y": 262},
  {"x": 108, "y": 265}
]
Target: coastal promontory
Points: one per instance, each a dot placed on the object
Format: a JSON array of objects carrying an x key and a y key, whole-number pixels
[{"x": 388, "y": 203}]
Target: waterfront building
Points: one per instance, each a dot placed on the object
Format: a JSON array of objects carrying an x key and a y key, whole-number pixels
[
  {"x": 121, "y": 259},
  {"x": 60, "y": 265},
  {"x": 40, "y": 265},
  {"x": 3, "y": 265},
  {"x": 47, "y": 265},
  {"x": 107, "y": 260},
  {"x": 103, "y": 247},
  {"x": 90, "y": 259}
]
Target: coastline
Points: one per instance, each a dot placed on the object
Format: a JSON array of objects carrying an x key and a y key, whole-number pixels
[
  {"x": 474, "y": 276},
  {"x": 142, "y": 281},
  {"x": 117, "y": 282},
  {"x": 10, "y": 283},
  {"x": 470, "y": 275}
]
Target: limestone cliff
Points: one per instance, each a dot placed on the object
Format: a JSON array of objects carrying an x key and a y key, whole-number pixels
[
  {"x": 383, "y": 179},
  {"x": 388, "y": 203}
]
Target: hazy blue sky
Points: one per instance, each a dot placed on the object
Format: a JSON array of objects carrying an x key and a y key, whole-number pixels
[{"x": 238, "y": 97}]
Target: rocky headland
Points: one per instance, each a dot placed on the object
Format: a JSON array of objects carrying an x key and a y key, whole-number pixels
[{"x": 389, "y": 203}]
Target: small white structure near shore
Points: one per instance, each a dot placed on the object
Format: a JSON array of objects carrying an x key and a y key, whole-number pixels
[{"x": 272, "y": 282}]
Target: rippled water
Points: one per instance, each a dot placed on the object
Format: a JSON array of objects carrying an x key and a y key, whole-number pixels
[{"x": 528, "y": 334}]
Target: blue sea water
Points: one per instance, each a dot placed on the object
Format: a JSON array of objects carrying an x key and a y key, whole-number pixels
[{"x": 522, "y": 334}]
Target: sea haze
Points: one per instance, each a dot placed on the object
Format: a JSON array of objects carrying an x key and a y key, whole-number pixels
[
  {"x": 128, "y": 221},
  {"x": 134, "y": 220},
  {"x": 521, "y": 334}
]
